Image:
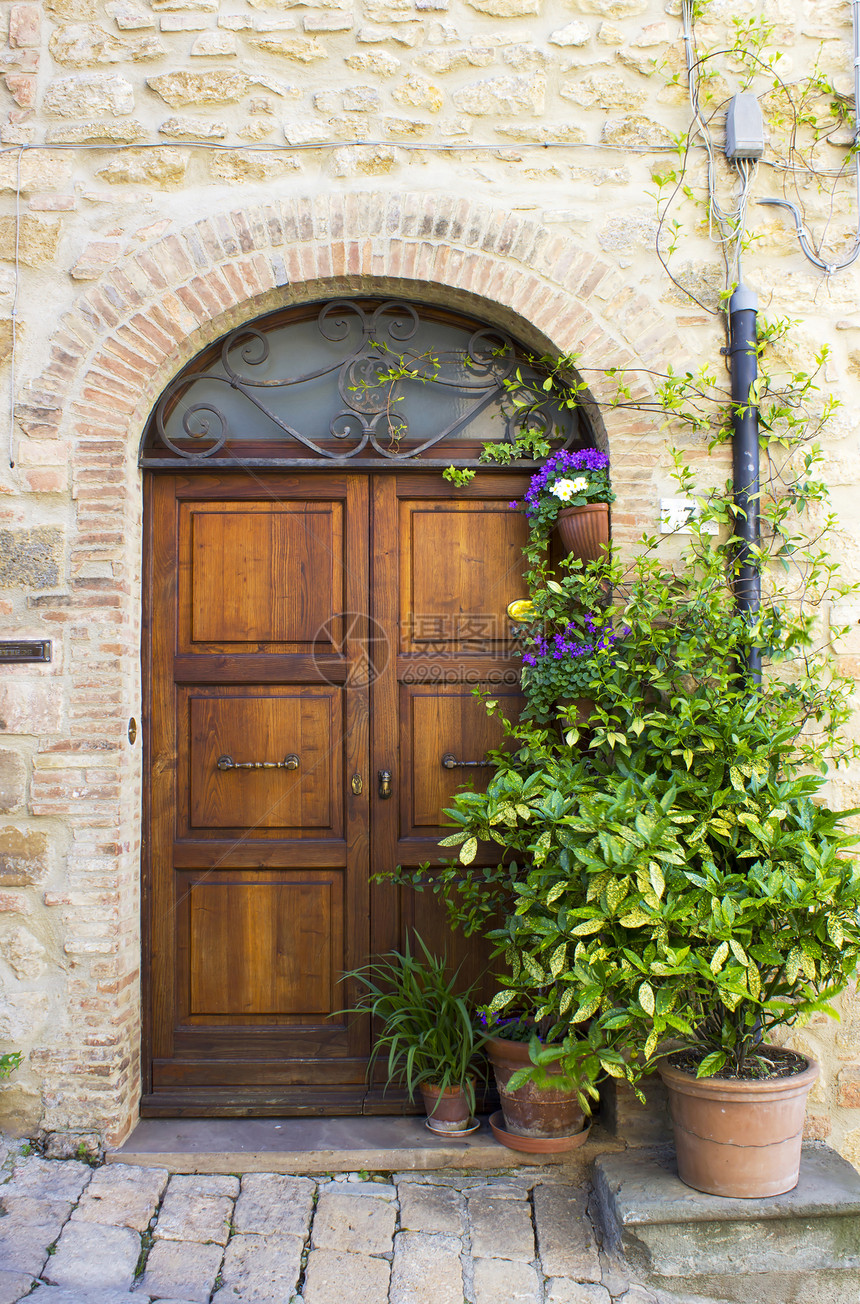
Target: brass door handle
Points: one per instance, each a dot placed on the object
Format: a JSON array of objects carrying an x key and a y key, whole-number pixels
[
  {"x": 450, "y": 762},
  {"x": 385, "y": 784},
  {"x": 290, "y": 762}
]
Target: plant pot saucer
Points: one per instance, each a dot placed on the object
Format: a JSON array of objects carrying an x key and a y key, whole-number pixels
[
  {"x": 535, "y": 1145},
  {"x": 473, "y": 1126}
]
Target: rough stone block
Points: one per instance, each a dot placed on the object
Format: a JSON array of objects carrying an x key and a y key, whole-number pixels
[
  {"x": 24, "y": 1246},
  {"x": 23, "y": 857},
  {"x": 186, "y": 1216},
  {"x": 328, "y": 1272},
  {"x": 122, "y": 131},
  {"x": 23, "y": 952},
  {"x": 181, "y": 1270},
  {"x": 565, "y": 1236},
  {"x": 122, "y": 1195},
  {"x": 426, "y": 1270},
  {"x": 561, "y": 1290},
  {"x": 24, "y": 26},
  {"x": 506, "y": 96},
  {"x": 357, "y": 1224},
  {"x": 30, "y": 558},
  {"x": 161, "y": 167},
  {"x": 217, "y": 86},
  {"x": 272, "y": 1203},
  {"x": 99, "y": 94},
  {"x": 264, "y": 1269},
  {"x": 28, "y": 708},
  {"x": 501, "y": 1228},
  {"x": 86, "y": 45},
  {"x": 87, "y": 1253},
  {"x": 426, "y": 1208},
  {"x": 48, "y": 1179},
  {"x": 624, "y": 1115},
  {"x": 500, "y": 1279},
  {"x": 205, "y": 1184},
  {"x": 669, "y": 1231},
  {"x": 14, "y": 1286}
]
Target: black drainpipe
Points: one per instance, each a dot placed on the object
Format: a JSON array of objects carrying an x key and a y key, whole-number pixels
[{"x": 745, "y": 458}]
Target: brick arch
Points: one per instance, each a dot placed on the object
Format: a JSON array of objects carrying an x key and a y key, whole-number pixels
[{"x": 110, "y": 358}]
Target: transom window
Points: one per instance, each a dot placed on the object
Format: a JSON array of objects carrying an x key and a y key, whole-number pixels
[{"x": 358, "y": 381}]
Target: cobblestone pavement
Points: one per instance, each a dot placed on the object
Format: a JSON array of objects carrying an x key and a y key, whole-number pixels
[{"x": 118, "y": 1234}]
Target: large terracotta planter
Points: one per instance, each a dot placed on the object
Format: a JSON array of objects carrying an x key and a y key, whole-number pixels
[
  {"x": 738, "y": 1138},
  {"x": 532, "y": 1111},
  {"x": 584, "y": 531},
  {"x": 448, "y": 1110}
]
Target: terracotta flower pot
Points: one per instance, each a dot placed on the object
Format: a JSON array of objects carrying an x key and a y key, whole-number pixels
[
  {"x": 738, "y": 1138},
  {"x": 448, "y": 1110},
  {"x": 584, "y": 531},
  {"x": 530, "y": 1110}
]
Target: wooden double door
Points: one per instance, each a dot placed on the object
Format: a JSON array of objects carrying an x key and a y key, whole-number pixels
[{"x": 313, "y": 641}]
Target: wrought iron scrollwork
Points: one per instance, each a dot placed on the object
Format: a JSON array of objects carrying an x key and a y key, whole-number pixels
[{"x": 372, "y": 381}]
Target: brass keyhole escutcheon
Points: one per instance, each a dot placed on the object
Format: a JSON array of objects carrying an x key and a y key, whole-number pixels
[
  {"x": 357, "y": 784},
  {"x": 385, "y": 784}
]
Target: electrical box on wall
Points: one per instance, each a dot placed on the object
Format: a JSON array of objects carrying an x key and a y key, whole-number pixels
[{"x": 744, "y": 128}]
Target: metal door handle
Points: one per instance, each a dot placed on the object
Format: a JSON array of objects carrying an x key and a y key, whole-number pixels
[
  {"x": 450, "y": 762},
  {"x": 290, "y": 762},
  {"x": 385, "y": 784}
]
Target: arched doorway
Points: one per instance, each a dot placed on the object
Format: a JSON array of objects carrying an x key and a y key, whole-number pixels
[{"x": 321, "y": 603}]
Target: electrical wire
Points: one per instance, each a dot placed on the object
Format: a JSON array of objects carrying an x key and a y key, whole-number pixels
[{"x": 803, "y": 235}]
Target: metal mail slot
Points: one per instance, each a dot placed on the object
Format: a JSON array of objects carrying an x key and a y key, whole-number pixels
[{"x": 16, "y": 651}]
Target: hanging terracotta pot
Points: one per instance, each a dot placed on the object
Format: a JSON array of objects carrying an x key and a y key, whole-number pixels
[
  {"x": 584, "y": 531},
  {"x": 735, "y": 1137},
  {"x": 532, "y": 1111},
  {"x": 449, "y": 1109}
]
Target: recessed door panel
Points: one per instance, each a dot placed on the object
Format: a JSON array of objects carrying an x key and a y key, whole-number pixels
[
  {"x": 264, "y": 945},
  {"x": 229, "y": 730},
  {"x": 445, "y": 724},
  {"x": 461, "y": 566},
  {"x": 262, "y": 575}
]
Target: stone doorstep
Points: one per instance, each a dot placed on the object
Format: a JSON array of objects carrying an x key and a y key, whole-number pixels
[
  {"x": 329, "y": 1145},
  {"x": 789, "y": 1249}
]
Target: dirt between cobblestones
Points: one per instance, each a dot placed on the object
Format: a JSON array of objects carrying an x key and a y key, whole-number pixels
[{"x": 76, "y": 1233}]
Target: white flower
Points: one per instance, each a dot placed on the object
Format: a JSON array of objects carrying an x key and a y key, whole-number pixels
[{"x": 565, "y": 489}]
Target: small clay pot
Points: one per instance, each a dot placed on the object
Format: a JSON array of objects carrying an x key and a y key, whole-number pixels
[
  {"x": 448, "y": 1110},
  {"x": 738, "y": 1138},
  {"x": 584, "y": 531},
  {"x": 532, "y": 1111}
]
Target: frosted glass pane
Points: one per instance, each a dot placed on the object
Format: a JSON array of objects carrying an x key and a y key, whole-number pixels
[{"x": 356, "y": 378}]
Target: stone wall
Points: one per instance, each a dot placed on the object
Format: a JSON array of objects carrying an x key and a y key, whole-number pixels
[{"x": 496, "y": 155}]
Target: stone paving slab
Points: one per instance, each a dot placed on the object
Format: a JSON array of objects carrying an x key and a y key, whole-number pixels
[
  {"x": 204, "y": 1183},
  {"x": 14, "y": 1285},
  {"x": 187, "y": 1217},
  {"x": 500, "y": 1279},
  {"x": 501, "y": 1228},
  {"x": 24, "y": 1248},
  {"x": 182, "y": 1270},
  {"x": 335, "y": 1278},
  {"x": 426, "y": 1270},
  {"x": 263, "y": 1269},
  {"x": 273, "y": 1203},
  {"x": 122, "y": 1196},
  {"x": 48, "y": 1179},
  {"x": 84, "y": 1295},
  {"x": 89, "y": 1255},
  {"x": 356, "y": 1224},
  {"x": 566, "y": 1240},
  {"x": 425, "y": 1208},
  {"x": 561, "y": 1290}
]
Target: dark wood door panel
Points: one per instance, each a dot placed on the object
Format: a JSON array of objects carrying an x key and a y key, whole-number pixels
[
  {"x": 438, "y": 723},
  {"x": 254, "y": 724},
  {"x": 265, "y": 576},
  {"x": 259, "y": 947},
  {"x": 461, "y": 564}
]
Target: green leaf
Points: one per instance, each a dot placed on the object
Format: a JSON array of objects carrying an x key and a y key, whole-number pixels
[
  {"x": 719, "y": 957},
  {"x": 645, "y": 997},
  {"x": 468, "y": 851},
  {"x": 711, "y": 1064}
]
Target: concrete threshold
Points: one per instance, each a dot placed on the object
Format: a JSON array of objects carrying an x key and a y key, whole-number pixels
[{"x": 327, "y": 1145}]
